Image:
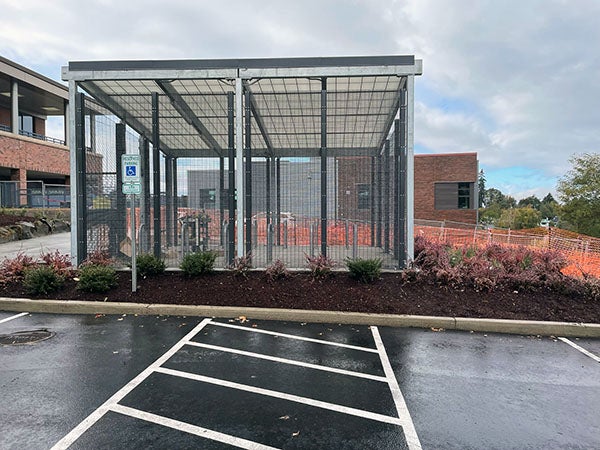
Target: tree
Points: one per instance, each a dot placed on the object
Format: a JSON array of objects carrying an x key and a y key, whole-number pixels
[
  {"x": 494, "y": 196},
  {"x": 579, "y": 190},
  {"x": 550, "y": 208},
  {"x": 481, "y": 188},
  {"x": 519, "y": 218},
  {"x": 532, "y": 201}
]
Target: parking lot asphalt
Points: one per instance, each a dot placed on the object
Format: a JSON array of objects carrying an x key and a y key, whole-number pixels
[{"x": 127, "y": 381}]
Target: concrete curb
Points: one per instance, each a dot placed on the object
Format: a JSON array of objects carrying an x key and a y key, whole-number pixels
[{"x": 527, "y": 327}]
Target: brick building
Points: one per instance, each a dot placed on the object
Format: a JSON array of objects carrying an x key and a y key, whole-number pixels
[
  {"x": 445, "y": 187},
  {"x": 34, "y": 167}
]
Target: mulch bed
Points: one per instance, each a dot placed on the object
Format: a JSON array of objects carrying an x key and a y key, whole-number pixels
[{"x": 390, "y": 294}]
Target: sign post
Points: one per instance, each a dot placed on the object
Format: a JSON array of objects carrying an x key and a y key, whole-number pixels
[{"x": 132, "y": 185}]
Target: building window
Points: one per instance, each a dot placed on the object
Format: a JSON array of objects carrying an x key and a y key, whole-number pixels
[
  {"x": 464, "y": 195},
  {"x": 453, "y": 195},
  {"x": 363, "y": 192},
  {"x": 26, "y": 124}
]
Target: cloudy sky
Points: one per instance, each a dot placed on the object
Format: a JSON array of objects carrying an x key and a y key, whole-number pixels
[{"x": 517, "y": 81}]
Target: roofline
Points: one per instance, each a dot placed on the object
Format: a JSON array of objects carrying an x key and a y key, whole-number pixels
[
  {"x": 243, "y": 63},
  {"x": 33, "y": 78},
  {"x": 439, "y": 155}
]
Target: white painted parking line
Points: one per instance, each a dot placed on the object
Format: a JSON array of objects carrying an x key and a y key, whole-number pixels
[
  {"x": 90, "y": 420},
  {"x": 283, "y": 396},
  {"x": 581, "y": 349},
  {"x": 189, "y": 428},
  {"x": 292, "y": 336},
  {"x": 412, "y": 439},
  {"x": 14, "y": 317},
  {"x": 289, "y": 361}
]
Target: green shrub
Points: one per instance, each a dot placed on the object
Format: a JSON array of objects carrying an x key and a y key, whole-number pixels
[
  {"x": 42, "y": 280},
  {"x": 364, "y": 270},
  {"x": 149, "y": 265},
  {"x": 96, "y": 278},
  {"x": 194, "y": 264}
]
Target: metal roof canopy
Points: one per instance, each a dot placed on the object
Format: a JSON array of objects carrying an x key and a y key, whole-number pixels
[{"x": 285, "y": 98}]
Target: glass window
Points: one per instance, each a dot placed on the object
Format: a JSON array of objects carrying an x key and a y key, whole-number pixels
[
  {"x": 464, "y": 195},
  {"x": 363, "y": 191},
  {"x": 26, "y": 124}
]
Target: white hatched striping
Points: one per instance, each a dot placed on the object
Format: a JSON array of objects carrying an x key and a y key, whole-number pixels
[
  {"x": 412, "y": 439},
  {"x": 14, "y": 317},
  {"x": 96, "y": 415},
  {"x": 292, "y": 336},
  {"x": 581, "y": 349},
  {"x": 189, "y": 428},
  {"x": 289, "y": 361},
  {"x": 283, "y": 396}
]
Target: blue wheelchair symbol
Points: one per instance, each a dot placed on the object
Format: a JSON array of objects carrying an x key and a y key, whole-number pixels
[{"x": 130, "y": 171}]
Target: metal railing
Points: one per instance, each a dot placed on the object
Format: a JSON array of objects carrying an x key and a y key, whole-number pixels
[
  {"x": 37, "y": 195},
  {"x": 5, "y": 128},
  {"x": 41, "y": 137}
]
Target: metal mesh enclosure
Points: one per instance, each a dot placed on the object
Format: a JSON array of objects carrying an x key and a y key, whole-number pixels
[{"x": 276, "y": 159}]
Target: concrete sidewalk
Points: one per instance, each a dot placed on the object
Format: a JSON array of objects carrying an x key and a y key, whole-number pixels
[{"x": 35, "y": 246}]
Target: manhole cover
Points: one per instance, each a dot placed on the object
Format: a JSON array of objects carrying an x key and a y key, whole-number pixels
[{"x": 25, "y": 337}]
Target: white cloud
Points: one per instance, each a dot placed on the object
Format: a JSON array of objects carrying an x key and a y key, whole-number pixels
[{"x": 518, "y": 82}]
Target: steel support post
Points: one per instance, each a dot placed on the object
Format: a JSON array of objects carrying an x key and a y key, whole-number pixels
[
  {"x": 239, "y": 154},
  {"x": 323, "y": 166},
  {"x": 248, "y": 173},
  {"x": 175, "y": 201},
  {"x": 268, "y": 182},
  {"x": 145, "y": 197},
  {"x": 80, "y": 179},
  {"x": 156, "y": 228},
  {"x": 278, "y": 201},
  {"x": 410, "y": 168},
  {"x": 395, "y": 179},
  {"x": 386, "y": 196},
  {"x": 119, "y": 225},
  {"x": 220, "y": 197},
  {"x": 379, "y": 182},
  {"x": 169, "y": 199},
  {"x": 231, "y": 177},
  {"x": 372, "y": 201},
  {"x": 401, "y": 133}
]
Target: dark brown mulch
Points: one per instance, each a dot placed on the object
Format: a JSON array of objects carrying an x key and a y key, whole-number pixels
[{"x": 390, "y": 295}]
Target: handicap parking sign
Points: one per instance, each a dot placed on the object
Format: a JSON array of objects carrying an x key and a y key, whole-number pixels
[{"x": 130, "y": 168}]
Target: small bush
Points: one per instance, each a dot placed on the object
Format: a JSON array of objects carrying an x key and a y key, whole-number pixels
[
  {"x": 42, "y": 280},
  {"x": 97, "y": 278},
  {"x": 98, "y": 258},
  {"x": 364, "y": 270},
  {"x": 149, "y": 265},
  {"x": 320, "y": 266},
  {"x": 198, "y": 263},
  {"x": 277, "y": 270},
  {"x": 60, "y": 263},
  {"x": 13, "y": 270},
  {"x": 241, "y": 265}
]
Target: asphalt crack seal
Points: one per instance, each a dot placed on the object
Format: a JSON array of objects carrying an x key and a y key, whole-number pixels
[{"x": 25, "y": 337}]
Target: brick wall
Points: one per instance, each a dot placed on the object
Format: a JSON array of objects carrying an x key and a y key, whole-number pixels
[
  {"x": 28, "y": 154},
  {"x": 20, "y": 152},
  {"x": 351, "y": 172},
  {"x": 429, "y": 169}
]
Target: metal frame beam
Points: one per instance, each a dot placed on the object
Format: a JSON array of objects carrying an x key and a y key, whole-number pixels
[
  {"x": 279, "y": 152},
  {"x": 259, "y": 120},
  {"x": 80, "y": 191},
  {"x": 91, "y": 88},
  {"x": 188, "y": 115},
  {"x": 324, "y": 166},
  {"x": 156, "y": 228}
]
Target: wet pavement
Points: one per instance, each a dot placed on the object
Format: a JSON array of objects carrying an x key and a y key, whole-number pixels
[
  {"x": 37, "y": 245},
  {"x": 177, "y": 382}
]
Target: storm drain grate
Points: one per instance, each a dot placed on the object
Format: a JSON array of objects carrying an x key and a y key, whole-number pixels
[{"x": 25, "y": 337}]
